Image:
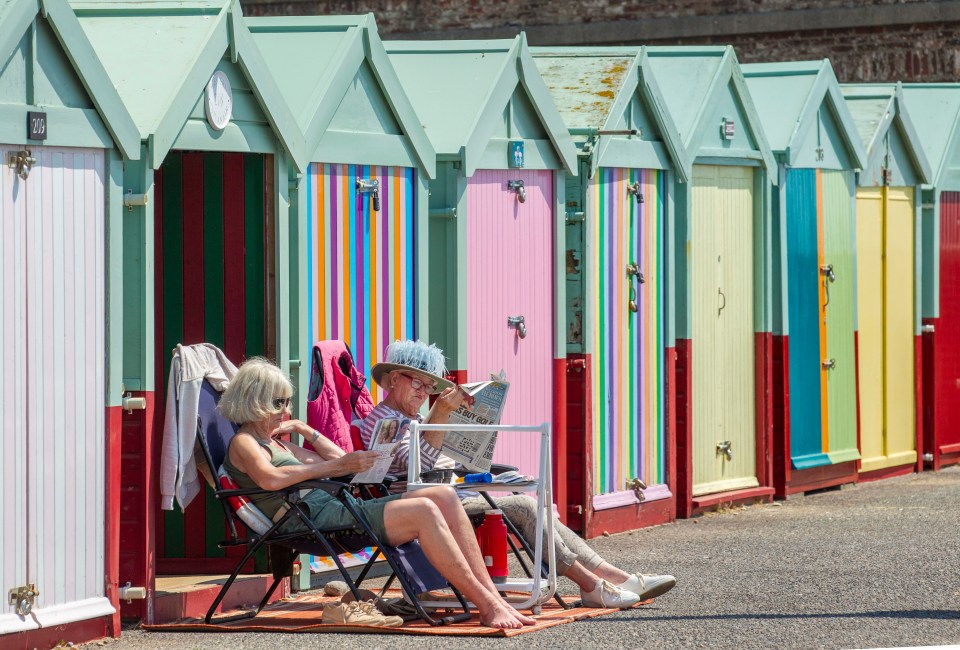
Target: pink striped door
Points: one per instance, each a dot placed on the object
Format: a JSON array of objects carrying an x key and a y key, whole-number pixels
[{"x": 510, "y": 273}]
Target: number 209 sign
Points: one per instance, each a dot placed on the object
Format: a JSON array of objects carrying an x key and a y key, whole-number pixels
[{"x": 36, "y": 126}]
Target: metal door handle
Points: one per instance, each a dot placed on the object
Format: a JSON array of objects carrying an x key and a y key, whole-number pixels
[
  {"x": 517, "y": 323},
  {"x": 724, "y": 303},
  {"x": 368, "y": 186},
  {"x": 518, "y": 187},
  {"x": 725, "y": 448}
]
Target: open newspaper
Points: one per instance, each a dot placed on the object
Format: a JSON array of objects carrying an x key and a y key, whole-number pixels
[
  {"x": 473, "y": 449},
  {"x": 387, "y": 435}
]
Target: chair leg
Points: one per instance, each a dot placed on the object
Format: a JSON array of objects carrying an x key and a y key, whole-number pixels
[
  {"x": 368, "y": 566},
  {"x": 513, "y": 530},
  {"x": 404, "y": 583},
  {"x": 226, "y": 587}
]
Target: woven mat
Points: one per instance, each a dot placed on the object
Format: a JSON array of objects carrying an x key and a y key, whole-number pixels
[{"x": 304, "y": 614}]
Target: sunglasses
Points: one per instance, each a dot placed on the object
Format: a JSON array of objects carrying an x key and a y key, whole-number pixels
[
  {"x": 416, "y": 383},
  {"x": 281, "y": 403}
]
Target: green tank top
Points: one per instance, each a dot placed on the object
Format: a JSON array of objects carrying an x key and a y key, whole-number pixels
[{"x": 268, "y": 504}]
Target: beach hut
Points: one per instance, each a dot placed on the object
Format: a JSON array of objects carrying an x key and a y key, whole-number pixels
[
  {"x": 63, "y": 136},
  {"x": 496, "y": 221},
  {"x": 206, "y": 250},
  {"x": 935, "y": 109},
  {"x": 888, "y": 281},
  {"x": 362, "y": 202},
  {"x": 818, "y": 151},
  {"x": 620, "y": 470},
  {"x": 718, "y": 251}
]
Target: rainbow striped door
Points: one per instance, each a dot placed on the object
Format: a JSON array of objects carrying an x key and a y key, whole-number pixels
[
  {"x": 362, "y": 275},
  {"x": 626, "y": 344},
  {"x": 510, "y": 273}
]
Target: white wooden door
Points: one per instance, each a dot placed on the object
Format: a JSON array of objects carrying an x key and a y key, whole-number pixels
[{"x": 53, "y": 392}]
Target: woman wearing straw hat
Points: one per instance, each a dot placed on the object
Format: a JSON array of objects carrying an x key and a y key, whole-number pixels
[{"x": 413, "y": 370}]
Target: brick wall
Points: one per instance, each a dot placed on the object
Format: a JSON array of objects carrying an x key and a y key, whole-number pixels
[{"x": 867, "y": 40}]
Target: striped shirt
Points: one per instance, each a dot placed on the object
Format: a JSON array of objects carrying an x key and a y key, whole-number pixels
[{"x": 429, "y": 455}]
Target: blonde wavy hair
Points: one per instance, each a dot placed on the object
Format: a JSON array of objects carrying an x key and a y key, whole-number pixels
[{"x": 250, "y": 395}]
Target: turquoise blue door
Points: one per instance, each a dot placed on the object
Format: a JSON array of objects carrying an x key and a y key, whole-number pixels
[{"x": 803, "y": 304}]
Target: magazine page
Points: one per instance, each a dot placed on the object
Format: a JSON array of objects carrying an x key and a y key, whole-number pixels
[
  {"x": 387, "y": 434},
  {"x": 472, "y": 449}
]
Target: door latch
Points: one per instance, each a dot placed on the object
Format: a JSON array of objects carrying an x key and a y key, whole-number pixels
[
  {"x": 517, "y": 323},
  {"x": 637, "y": 485},
  {"x": 634, "y": 189},
  {"x": 517, "y": 186},
  {"x": 725, "y": 448},
  {"x": 827, "y": 272},
  {"x": 368, "y": 186},
  {"x": 829, "y": 364},
  {"x": 21, "y": 162},
  {"x": 23, "y": 597},
  {"x": 633, "y": 271}
]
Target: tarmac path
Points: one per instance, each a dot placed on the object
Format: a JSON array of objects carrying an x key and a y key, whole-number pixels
[{"x": 872, "y": 565}]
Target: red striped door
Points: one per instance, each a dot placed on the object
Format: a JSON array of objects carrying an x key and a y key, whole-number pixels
[{"x": 212, "y": 243}]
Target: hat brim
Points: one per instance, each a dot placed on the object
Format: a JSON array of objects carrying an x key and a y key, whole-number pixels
[{"x": 383, "y": 368}]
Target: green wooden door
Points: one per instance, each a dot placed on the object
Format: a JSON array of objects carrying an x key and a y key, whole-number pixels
[
  {"x": 722, "y": 272},
  {"x": 839, "y": 316}
]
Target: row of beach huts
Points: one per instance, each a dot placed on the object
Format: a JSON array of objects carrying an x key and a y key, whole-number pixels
[{"x": 720, "y": 283}]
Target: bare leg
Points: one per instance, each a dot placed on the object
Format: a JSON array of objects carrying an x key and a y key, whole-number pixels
[
  {"x": 415, "y": 518},
  {"x": 611, "y": 573},
  {"x": 448, "y": 503}
]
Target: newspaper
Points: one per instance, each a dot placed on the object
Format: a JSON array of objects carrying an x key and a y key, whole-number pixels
[
  {"x": 473, "y": 449},
  {"x": 387, "y": 436}
]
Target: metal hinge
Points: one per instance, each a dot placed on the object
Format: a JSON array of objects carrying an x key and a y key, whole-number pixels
[{"x": 23, "y": 597}]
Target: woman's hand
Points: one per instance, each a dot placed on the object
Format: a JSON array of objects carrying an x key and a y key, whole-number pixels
[
  {"x": 357, "y": 461},
  {"x": 451, "y": 399}
]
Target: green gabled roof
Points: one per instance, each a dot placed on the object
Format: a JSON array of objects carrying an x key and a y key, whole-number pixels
[
  {"x": 788, "y": 97},
  {"x": 593, "y": 86},
  {"x": 16, "y": 16},
  {"x": 160, "y": 54},
  {"x": 460, "y": 88},
  {"x": 935, "y": 109},
  {"x": 692, "y": 80},
  {"x": 875, "y": 109},
  {"x": 330, "y": 52}
]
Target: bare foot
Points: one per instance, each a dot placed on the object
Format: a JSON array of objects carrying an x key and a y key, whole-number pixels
[
  {"x": 526, "y": 620},
  {"x": 501, "y": 617}
]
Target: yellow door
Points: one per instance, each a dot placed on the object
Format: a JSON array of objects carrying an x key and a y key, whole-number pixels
[
  {"x": 721, "y": 257},
  {"x": 900, "y": 426},
  {"x": 885, "y": 314}
]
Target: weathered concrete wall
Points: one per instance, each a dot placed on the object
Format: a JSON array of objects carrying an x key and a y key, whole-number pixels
[{"x": 867, "y": 40}]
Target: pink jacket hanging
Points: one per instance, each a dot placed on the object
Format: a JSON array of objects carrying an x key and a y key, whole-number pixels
[{"x": 338, "y": 393}]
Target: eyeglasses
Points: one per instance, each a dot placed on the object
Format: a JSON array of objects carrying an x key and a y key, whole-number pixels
[
  {"x": 416, "y": 383},
  {"x": 281, "y": 403}
]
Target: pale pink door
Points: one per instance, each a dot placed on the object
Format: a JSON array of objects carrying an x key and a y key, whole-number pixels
[{"x": 510, "y": 274}]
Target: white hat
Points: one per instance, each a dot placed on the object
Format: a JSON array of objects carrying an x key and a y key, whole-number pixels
[{"x": 422, "y": 358}]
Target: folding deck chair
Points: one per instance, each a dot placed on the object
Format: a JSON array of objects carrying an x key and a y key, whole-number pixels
[
  {"x": 410, "y": 566},
  {"x": 352, "y": 389}
]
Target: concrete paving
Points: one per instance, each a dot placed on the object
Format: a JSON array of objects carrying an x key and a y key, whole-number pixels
[{"x": 871, "y": 565}]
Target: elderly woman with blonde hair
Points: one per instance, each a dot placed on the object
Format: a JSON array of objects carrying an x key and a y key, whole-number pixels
[{"x": 258, "y": 399}]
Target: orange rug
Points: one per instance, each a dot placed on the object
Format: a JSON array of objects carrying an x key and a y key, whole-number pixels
[{"x": 304, "y": 614}]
